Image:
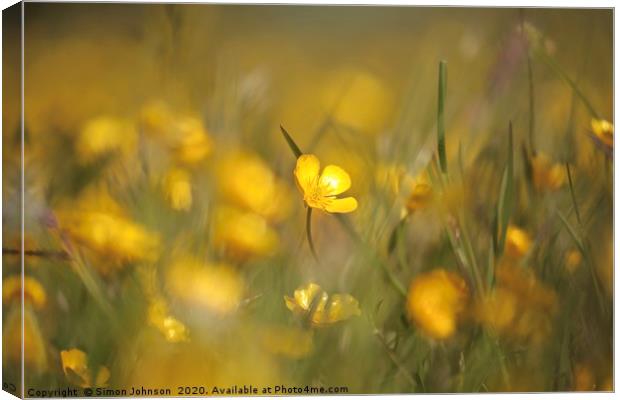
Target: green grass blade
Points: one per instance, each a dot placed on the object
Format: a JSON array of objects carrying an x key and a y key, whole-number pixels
[
  {"x": 309, "y": 233},
  {"x": 291, "y": 143},
  {"x": 441, "y": 127},
  {"x": 506, "y": 196},
  {"x": 572, "y": 193}
]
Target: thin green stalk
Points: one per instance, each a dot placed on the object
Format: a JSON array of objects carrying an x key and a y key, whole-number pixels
[
  {"x": 572, "y": 193},
  {"x": 309, "y": 233},
  {"x": 441, "y": 126}
]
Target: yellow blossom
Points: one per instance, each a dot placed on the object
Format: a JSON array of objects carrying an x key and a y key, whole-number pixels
[
  {"x": 435, "y": 302},
  {"x": 243, "y": 234},
  {"x": 75, "y": 366},
  {"x": 111, "y": 236},
  {"x": 286, "y": 341},
  {"x": 178, "y": 189},
  {"x": 245, "y": 180},
  {"x": 35, "y": 353},
  {"x": 320, "y": 309},
  {"x": 104, "y": 135},
  {"x": 34, "y": 292},
  {"x": 359, "y": 101},
  {"x": 547, "y": 175},
  {"x": 572, "y": 260},
  {"x": 583, "y": 378},
  {"x": 518, "y": 242},
  {"x": 421, "y": 193},
  {"x": 156, "y": 118},
  {"x": 216, "y": 287},
  {"x": 320, "y": 191},
  {"x": 604, "y": 131},
  {"x": 159, "y": 317},
  {"x": 520, "y": 307},
  {"x": 190, "y": 141}
]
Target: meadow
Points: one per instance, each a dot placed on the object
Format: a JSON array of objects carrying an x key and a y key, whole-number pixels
[{"x": 360, "y": 199}]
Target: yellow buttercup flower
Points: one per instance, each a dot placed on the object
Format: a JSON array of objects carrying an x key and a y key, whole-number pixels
[
  {"x": 178, "y": 189},
  {"x": 190, "y": 141},
  {"x": 421, "y": 194},
  {"x": 159, "y": 317},
  {"x": 75, "y": 366},
  {"x": 547, "y": 175},
  {"x": 319, "y": 308},
  {"x": 604, "y": 131},
  {"x": 435, "y": 301},
  {"x": 215, "y": 287},
  {"x": 572, "y": 260},
  {"x": 520, "y": 307},
  {"x": 244, "y": 179},
  {"x": 34, "y": 292},
  {"x": 518, "y": 242},
  {"x": 320, "y": 191},
  {"x": 104, "y": 135},
  {"x": 35, "y": 353},
  {"x": 243, "y": 234}
]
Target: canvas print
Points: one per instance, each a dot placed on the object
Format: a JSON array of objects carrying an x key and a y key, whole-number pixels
[{"x": 217, "y": 200}]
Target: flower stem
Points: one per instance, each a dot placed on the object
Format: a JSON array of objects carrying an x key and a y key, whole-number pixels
[{"x": 309, "y": 233}]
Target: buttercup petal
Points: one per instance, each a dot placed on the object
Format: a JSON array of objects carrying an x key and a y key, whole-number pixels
[
  {"x": 346, "y": 205},
  {"x": 307, "y": 171},
  {"x": 334, "y": 180}
]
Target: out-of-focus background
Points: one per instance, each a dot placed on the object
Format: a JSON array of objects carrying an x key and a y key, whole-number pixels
[{"x": 164, "y": 227}]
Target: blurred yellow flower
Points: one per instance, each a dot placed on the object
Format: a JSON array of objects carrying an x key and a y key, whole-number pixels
[
  {"x": 519, "y": 307},
  {"x": 34, "y": 292},
  {"x": 359, "y": 100},
  {"x": 286, "y": 341},
  {"x": 35, "y": 353},
  {"x": 320, "y": 191},
  {"x": 156, "y": 118},
  {"x": 178, "y": 189},
  {"x": 159, "y": 317},
  {"x": 103, "y": 135},
  {"x": 111, "y": 236},
  {"x": 216, "y": 287},
  {"x": 243, "y": 234},
  {"x": 435, "y": 302},
  {"x": 604, "y": 131},
  {"x": 572, "y": 260},
  {"x": 75, "y": 366},
  {"x": 583, "y": 378},
  {"x": 245, "y": 180},
  {"x": 421, "y": 194},
  {"x": 190, "y": 141},
  {"x": 320, "y": 309},
  {"x": 547, "y": 175},
  {"x": 518, "y": 242}
]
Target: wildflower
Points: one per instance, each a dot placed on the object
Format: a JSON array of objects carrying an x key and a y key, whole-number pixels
[
  {"x": 243, "y": 234},
  {"x": 520, "y": 307},
  {"x": 178, "y": 189},
  {"x": 547, "y": 175},
  {"x": 603, "y": 131},
  {"x": 159, "y": 317},
  {"x": 583, "y": 378},
  {"x": 294, "y": 343},
  {"x": 35, "y": 354},
  {"x": 111, "y": 236},
  {"x": 319, "y": 308},
  {"x": 359, "y": 101},
  {"x": 320, "y": 191},
  {"x": 189, "y": 140},
  {"x": 572, "y": 260},
  {"x": 435, "y": 301},
  {"x": 156, "y": 118},
  {"x": 216, "y": 287},
  {"x": 421, "y": 194},
  {"x": 518, "y": 242},
  {"x": 103, "y": 135},
  {"x": 75, "y": 366},
  {"x": 246, "y": 181},
  {"x": 34, "y": 293}
]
